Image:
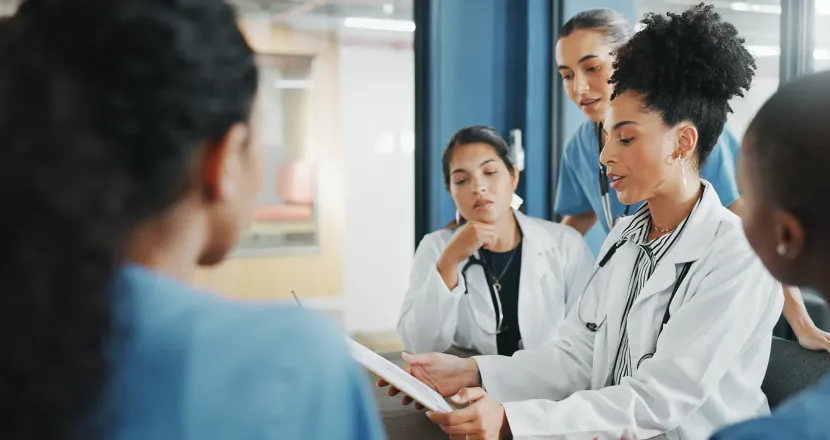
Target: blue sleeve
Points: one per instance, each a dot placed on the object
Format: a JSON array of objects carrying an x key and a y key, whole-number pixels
[
  {"x": 345, "y": 402},
  {"x": 759, "y": 429},
  {"x": 719, "y": 168},
  {"x": 570, "y": 196},
  {"x": 277, "y": 372}
]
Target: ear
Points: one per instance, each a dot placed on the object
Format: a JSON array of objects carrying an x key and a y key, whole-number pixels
[
  {"x": 686, "y": 141},
  {"x": 789, "y": 234},
  {"x": 221, "y": 164},
  {"x": 515, "y": 177}
]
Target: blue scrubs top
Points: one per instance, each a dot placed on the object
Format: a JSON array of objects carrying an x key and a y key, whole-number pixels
[
  {"x": 578, "y": 189},
  {"x": 803, "y": 418},
  {"x": 194, "y": 366}
]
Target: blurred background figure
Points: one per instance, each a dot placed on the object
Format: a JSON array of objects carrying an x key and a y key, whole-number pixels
[{"x": 132, "y": 158}]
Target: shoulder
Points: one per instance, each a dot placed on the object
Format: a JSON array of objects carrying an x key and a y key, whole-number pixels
[
  {"x": 584, "y": 137},
  {"x": 277, "y": 358},
  {"x": 561, "y": 235},
  {"x": 266, "y": 337},
  {"x": 234, "y": 368},
  {"x": 437, "y": 238},
  {"x": 729, "y": 235},
  {"x": 772, "y": 428},
  {"x": 433, "y": 243},
  {"x": 803, "y": 417}
]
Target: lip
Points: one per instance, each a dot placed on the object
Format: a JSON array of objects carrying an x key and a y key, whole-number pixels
[
  {"x": 482, "y": 205},
  {"x": 615, "y": 180},
  {"x": 589, "y": 104}
]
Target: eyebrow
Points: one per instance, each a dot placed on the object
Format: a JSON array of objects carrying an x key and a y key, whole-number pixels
[
  {"x": 459, "y": 170},
  {"x": 619, "y": 125},
  {"x": 581, "y": 60}
]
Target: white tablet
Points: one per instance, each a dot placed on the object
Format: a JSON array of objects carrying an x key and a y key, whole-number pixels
[{"x": 398, "y": 378}]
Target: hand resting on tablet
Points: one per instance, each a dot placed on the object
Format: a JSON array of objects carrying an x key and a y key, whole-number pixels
[{"x": 444, "y": 373}]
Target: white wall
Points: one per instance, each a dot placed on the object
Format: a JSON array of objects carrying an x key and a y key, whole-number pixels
[
  {"x": 377, "y": 102},
  {"x": 744, "y": 109}
]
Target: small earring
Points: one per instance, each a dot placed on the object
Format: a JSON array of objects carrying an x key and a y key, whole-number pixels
[
  {"x": 457, "y": 218},
  {"x": 683, "y": 170},
  {"x": 782, "y": 249}
]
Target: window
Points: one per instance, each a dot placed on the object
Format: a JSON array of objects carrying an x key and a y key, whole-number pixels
[
  {"x": 285, "y": 216},
  {"x": 821, "y": 53},
  {"x": 759, "y": 24}
]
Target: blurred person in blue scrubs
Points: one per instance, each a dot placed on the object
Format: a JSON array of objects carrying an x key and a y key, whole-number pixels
[
  {"x": 131, "y": 143},
  {"x": 585, "y": 58},
  {"x": 783, "y": 178}
]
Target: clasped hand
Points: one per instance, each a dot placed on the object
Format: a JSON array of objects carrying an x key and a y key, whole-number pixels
[{"x": 451, "y": 376}]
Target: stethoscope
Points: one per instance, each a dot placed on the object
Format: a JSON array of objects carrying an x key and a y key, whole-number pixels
[
  {"x": 493, "y": 286},
  {"x": 594, "y": 327},
  {"x": 605, "y": 186}
]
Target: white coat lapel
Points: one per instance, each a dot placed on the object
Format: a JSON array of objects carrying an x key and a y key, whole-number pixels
[
  {"x": 534, "y": 243},
  {"x": 697, "y": 235}
]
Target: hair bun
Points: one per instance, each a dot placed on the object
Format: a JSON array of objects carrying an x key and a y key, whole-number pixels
[{"x": 690, "y": 53}]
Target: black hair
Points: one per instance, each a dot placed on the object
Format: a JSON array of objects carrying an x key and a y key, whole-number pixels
[
  {"x": 789, "y": 141},
  {"x": 104, "y": 104},
  {"x": 687, "y": 67},
  {"x": 473, "y": 135},
  {"x": 611, "y": 24}
]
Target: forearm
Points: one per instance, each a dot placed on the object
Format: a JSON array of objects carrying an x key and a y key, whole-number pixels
[
  {"x": 581, "y": 222},
  {"x": 795, "y": 312},
  {"x": 429, "y": 314},
  {"x": 448, "y": 269}
]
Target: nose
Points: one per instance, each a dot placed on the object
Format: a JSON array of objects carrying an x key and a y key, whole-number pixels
[
  {"x": 580, "y": 83},
  {"x": 479, "y": 185},
  {"x": 608, "y": 154}
]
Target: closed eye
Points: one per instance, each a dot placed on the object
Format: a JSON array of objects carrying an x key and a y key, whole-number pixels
[{"x": 626, "y": 141}]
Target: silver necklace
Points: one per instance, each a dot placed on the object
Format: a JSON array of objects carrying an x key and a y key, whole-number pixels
[{"x": 496, "y": 282}]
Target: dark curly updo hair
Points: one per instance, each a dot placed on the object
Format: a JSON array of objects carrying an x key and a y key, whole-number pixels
[
  {"x": 104, "y": 104},
  {"x": 687, "y": 67}
]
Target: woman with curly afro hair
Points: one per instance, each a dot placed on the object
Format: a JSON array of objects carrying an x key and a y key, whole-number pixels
[{"x": 672, "y": 337}]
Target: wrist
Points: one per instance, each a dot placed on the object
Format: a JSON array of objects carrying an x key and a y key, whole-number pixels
[
  {"x": 802, "y": 325},
  {"x": 473, "y": 374},
  {"x": 447, "y": 264}
]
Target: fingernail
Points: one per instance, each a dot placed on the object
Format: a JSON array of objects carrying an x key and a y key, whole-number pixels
[
  {"x": 429, "y": 414},
  {"x": 456, "y": 398}
]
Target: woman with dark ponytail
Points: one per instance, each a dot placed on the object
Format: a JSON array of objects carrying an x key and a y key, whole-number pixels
[
  {"x": 130, "y": 157},
  {"x": 495, "y": 281}
]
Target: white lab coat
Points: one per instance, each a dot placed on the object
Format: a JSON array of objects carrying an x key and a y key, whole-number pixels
[
  {"x": 556, "y": 265},
  {"x": 710, "y": 359}
]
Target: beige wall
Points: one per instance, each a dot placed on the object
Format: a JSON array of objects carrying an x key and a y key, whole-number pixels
[{"x": 312, "y": 275}]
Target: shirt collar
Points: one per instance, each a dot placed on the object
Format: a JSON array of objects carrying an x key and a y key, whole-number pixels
[{"x": 637, "y": 231}]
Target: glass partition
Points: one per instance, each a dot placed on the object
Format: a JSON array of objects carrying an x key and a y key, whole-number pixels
[{"x": 286, "y": 214}]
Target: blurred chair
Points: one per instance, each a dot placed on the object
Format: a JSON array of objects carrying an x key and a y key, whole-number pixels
[{"x": 792, "y": 369}]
